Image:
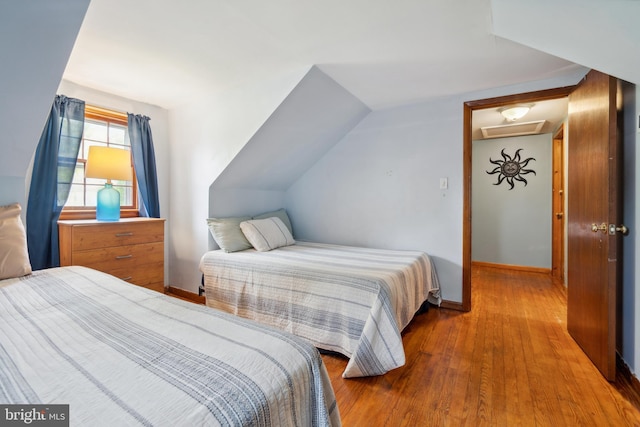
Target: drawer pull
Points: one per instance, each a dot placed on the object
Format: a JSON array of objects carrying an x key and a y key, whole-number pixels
[
  {"x": 128, "y": 233},
  {"x": 124, "y": 256},
  {"x": 126, "y": 279}
]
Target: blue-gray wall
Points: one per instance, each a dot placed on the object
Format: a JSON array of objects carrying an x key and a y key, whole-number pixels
[
  {"x": 512, "y": 226},
  {"x": 379, "y": 187}
]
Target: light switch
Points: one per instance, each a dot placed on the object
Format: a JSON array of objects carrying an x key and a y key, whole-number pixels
[{"x": 444, "y": 183}]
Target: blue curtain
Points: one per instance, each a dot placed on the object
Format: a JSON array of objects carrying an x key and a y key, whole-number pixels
[
  {"x": 144, "y": 162},
  {"x": 53, "y": 169}
]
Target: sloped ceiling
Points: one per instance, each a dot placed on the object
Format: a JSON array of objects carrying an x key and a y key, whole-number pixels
[
  {"x": 311, "y": 120},
  {"x": 166, "y": 52},
  {"x": 36, "y": 39},
  {"x": 603, "y": 35}
]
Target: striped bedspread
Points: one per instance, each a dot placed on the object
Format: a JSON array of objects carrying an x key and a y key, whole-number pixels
[
  {"x": 121, "y": 355},
  {"x": 354, "y": 301}
]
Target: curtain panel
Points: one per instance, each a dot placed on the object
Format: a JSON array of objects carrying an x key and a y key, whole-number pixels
[
  {"x": 53, "y": 168},
  {"x": 144, "y": 162}
]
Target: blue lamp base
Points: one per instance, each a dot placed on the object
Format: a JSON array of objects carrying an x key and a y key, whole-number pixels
[{"x": 108, "y": 206}]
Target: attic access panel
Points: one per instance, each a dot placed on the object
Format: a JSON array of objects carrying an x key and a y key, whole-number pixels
[{"x": 517, "y": 129}]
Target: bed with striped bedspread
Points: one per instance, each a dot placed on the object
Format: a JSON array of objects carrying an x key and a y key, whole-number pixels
[
  {"x": 351, "y": 300},
  {"x": 122, "y": 355}
]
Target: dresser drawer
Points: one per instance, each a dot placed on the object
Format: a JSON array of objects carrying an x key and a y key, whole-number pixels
[
  {"x": 118, "y": 257},
  {"x": 117, "y": 234},
  {"x": 150, "y": 276}
]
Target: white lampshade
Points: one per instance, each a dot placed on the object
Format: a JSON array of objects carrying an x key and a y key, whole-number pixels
[
  {"x": 514, "y": 113},
  {"x": 108, "y": 163}
]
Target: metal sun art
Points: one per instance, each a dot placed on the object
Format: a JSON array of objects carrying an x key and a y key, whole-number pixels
[{"x": 511, "y": 168}]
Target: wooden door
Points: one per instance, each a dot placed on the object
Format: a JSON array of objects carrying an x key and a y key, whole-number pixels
[
  {"x": 557, "y": 220},
  {"x": 594, "y": 204}
]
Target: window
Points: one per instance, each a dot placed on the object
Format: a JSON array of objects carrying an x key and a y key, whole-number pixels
[{"x": 105, "y": 128}]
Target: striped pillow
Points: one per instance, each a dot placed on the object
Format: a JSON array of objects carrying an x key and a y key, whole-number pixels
[{"x": 267, "y": 234}]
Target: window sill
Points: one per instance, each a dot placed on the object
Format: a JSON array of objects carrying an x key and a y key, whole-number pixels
[{"x": 70, "y": 214}]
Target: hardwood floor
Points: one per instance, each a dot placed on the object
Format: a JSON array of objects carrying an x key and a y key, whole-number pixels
[
  {"x": 508, "y": 362},
  {"x": 185, "y": 295}
]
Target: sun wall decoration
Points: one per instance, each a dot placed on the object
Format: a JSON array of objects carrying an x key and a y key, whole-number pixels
[{"x": 511, "y": 169}]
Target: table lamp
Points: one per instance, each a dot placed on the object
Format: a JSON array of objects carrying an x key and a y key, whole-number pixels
[{"x": 108, "y": 163}]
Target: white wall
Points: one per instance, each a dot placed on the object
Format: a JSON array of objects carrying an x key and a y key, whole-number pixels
[
  {"x": 512, "y": 226},
  {"x": 206, "y": 135}
]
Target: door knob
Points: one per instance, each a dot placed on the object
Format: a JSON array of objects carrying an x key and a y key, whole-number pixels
[
  {"x": 559, "y": 215},
  {"x": 611, "y": 228},
  {"x": 622, "y": 229}
]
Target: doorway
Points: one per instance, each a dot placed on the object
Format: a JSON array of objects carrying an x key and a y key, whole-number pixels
[
  {"x": 469, "y": 108},
  {"x": 595, "y": 229}
]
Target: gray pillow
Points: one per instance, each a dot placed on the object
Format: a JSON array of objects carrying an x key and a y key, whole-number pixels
[
  {"x": 280, "y": 213},
  {"x": 227, "y": 234}
]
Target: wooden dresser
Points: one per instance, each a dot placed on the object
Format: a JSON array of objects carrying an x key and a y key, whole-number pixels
[{"x": 131, "y": 249}]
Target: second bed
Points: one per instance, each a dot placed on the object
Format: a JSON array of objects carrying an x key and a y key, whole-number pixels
[{"x": 351, "y": 300}]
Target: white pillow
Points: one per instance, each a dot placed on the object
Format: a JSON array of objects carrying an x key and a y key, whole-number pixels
[
  {"x": 267, "y": 234},
  {"x": 14, "y": 256}
]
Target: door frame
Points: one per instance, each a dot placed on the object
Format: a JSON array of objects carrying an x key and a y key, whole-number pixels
[
  {"x": 558, "y": 208},
  {"x": 469, "y": 107}
]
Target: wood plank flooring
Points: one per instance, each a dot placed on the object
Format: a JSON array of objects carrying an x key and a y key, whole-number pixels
[{"x": 508, "y": 362}]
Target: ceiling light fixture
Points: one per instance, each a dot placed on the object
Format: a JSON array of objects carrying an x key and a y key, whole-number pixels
[{"x": 515, "y": 112}]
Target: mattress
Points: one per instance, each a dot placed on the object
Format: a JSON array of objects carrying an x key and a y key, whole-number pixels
[
  {"x": 122, "y": 355},
  {"x": 351, "y": 300}
]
